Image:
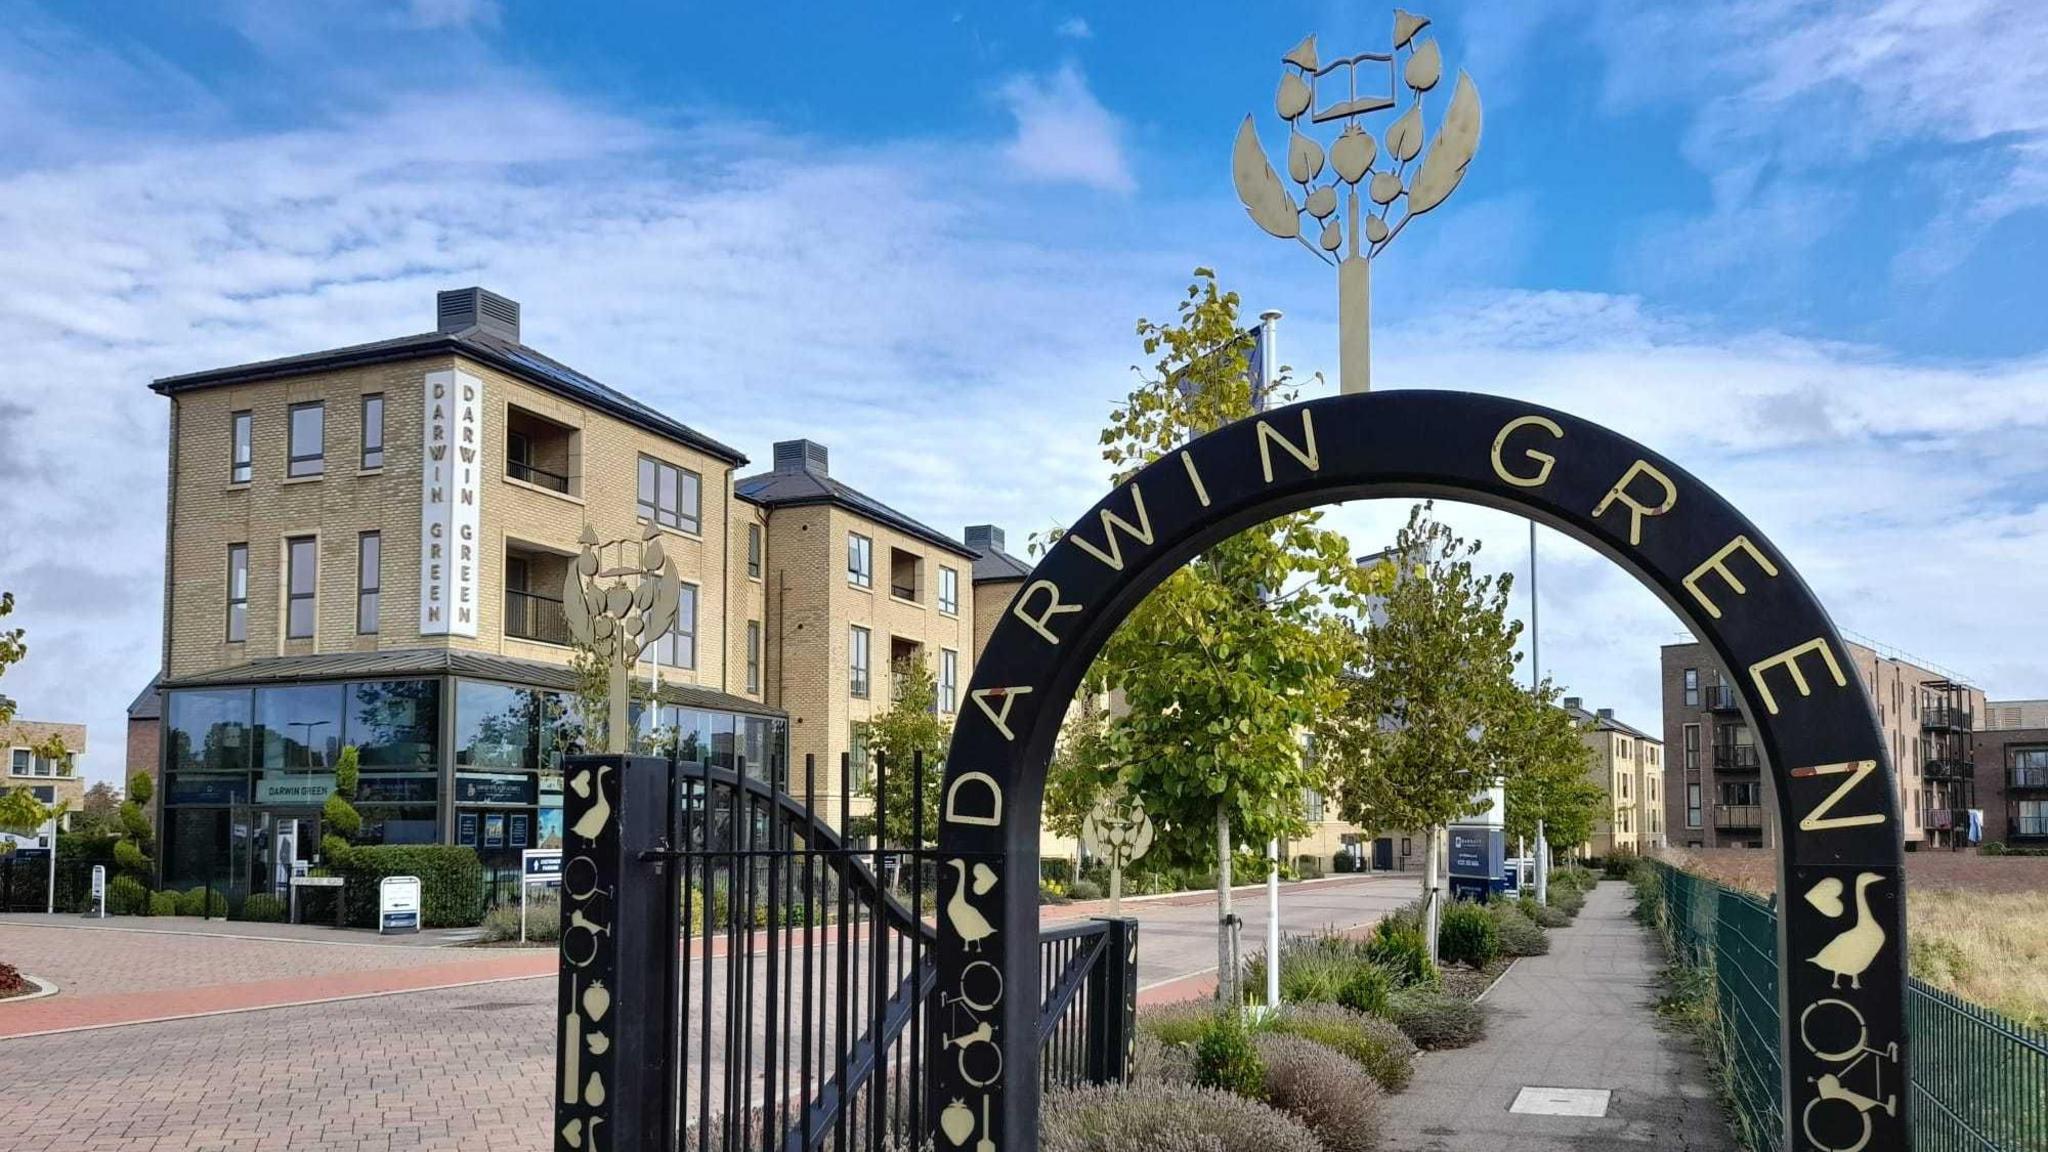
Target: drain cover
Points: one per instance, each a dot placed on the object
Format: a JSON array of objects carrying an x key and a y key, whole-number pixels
[{"x": 1561, "y": 1102}]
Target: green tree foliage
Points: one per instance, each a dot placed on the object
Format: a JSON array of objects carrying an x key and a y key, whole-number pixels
[
  {"x": 137, "y": 846},
  {"x": 1547, "y": 770},
  {"x": 98, "y": 812},
  {"x": 22, "y": 814},
  {"x": 339, "y": 820},
  {"x": 911, "y": 727},
  {"x": 13, "y": 649}
]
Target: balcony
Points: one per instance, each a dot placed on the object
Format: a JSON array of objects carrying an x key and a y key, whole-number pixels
[
  {"x": 536, "y": 475},
  {"x": 1734, "y": 817},
  {"x": 532, "y": 616},
  {"x": 1737, "y": 758},
  {"x": 1720, "y": 698},
  {"x": 1945, "y": 718},
  {"x": 906, "y": 574},
  {"x": 1947, "y": 768},
  {"x": 1944, "y": 819},
  {"x": 540, "y": 452}
]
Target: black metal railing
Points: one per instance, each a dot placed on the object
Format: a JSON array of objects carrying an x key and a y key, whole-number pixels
[
  {"x": 2026, "y": 778},
  {"x": 1721, "y": 698},
  {"x": 902, "y": 591},
  {"x": 1737, "y": 757},
  {"x": 1946, "y": 716},
  {"x": 532, "y": 616},
  {"x": 1947, "y": 768},
  {"x": 536, "y": 476},
  {"x": 1738, "y": 815}
]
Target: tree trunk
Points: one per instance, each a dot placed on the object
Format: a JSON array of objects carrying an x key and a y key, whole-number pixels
[
  {"x": 1431, "y": 906},
  {"x": 1226, "y": 962},
  {"x": 1542, "y": 865}
]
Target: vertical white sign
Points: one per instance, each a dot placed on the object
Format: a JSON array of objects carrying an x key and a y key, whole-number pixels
[{"x": 451, "y": 488}]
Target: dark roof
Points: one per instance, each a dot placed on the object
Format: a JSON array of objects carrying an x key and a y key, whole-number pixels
[
  {"x": 148, "y": 705},
  {"x": 1610, "y": 724},
  {"x": 505, "y": 355},
  {"x": 994, "y": 564},
  {"x": 438, "y": 662},
  {"x": 797, "y": 487}
]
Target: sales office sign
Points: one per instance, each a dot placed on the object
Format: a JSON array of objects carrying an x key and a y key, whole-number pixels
[{"x": 451, "y": 471}]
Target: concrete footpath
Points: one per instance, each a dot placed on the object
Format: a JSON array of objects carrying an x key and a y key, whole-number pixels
[{"x": 1575, "y": 1057}]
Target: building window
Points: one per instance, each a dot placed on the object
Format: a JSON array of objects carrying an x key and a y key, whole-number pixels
[
  {"x": 238, "y": 593},
  {"x": 239, "y": 455},
  {"x": 1692, "y": 805},
  {"x": 860, "y": 560},
  {"x": 1692, "y": 747},
  {"x": 308, "y": 440},
  {"x": 678, "y": 649},
  {"x": 2031, "y": 819},
  {"x": 857, "y": 662},
  {"x": 669, "y": 495},
  {"x": 754, "y": 551},
  {"x": 753, "y": 655},
  {"x": 1312, "y": 805},
  {"x": 373, "y": 431},
  {"x": 949, "y": 681},
  {"x": 949, "y": 591},
  {"x": 369, "y": 581},
  {"x": 1692, "y": 687},
  {"x": 857, "y": 756},
  {"x": 302, "y": 574}
]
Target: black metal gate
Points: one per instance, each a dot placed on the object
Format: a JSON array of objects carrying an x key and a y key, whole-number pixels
[{"x": 737, "y": 975}]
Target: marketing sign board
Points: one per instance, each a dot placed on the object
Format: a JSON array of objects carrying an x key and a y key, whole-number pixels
[
  {"x": 451, "y": 490},
  {"x": 398, "y": 904}
]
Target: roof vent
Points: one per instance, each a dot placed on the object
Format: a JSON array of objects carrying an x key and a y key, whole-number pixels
[
  {"x": 462, "y": 308},
  {"x": 1607, "y": 713},
  {"x": 1575, "y": 703},
  {"x": 802, "y": 455},
  {"x": 985, "y": 538}
]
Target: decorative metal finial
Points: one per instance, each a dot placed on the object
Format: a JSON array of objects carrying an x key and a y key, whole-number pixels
[
  {"x": 1360, "y": 166},
  {"x": 617, "y": 612},
  {"x": 1119, "y": 829}
]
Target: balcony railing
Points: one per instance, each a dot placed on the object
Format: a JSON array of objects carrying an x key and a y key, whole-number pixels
[
  {"x": 1944, "y": 819},
  {"x": 1945, "y": 716},
  {"x": 1948, "y": 768},
  {"x": 1721, "y": 698},
  {"x": 538, "y": 477},
  {"x": 532, "y": 616},
  {"x": 902, "y": 591},
  {"x": 2029, "y": 826},
  {"x": 2027, "y": 778},
  {"x": 1728, "y": 816},
  {"x": 1737, "y": 757}
]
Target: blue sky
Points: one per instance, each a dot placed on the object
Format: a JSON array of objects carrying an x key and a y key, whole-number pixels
[{"x": 1793, "y": 246}]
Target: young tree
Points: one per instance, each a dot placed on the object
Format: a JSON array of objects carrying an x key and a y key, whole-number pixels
[
  {"x": 1424, "y": 724},
  {"x": 98, "y": 813},
  {"x": 135, "y": 850},
  {"x": 22, "y": 814},
  {"x": 1547, "y": 779},
  {"x": 1226, "y": 661},
  {"x": 912, "y": 726},
  {"x": 340, "y": 821},
  {"x": 13, "y": 649}
]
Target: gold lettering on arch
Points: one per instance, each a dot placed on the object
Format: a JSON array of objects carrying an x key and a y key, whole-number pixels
[
  {"x": 1309, "y": 459},
  {"x": 1022, "y": 608},
  {"x": 993, "y": 794},
  {"x": 1195, "y": 478},
  {"x": 1818, "y": 820},
  {"x": 1718, "y": 562},
  {"x": 1141, "y": 532},
  {"x": 1789, "y": 661},
  {"x": 999, "y": 718},
  {"x": 1545, "y": 461},
  {"x": 1638, "y": 511}
]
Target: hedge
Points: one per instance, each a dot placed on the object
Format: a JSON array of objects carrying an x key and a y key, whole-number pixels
[{"x": 451, "y": 882}]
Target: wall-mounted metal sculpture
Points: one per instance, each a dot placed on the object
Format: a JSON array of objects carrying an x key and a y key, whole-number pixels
[
  {"x": 1367, "y": 177},
  {"x": 616, "y": 611}
]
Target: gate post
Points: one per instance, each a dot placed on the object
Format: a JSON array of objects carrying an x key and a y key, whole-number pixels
[
  {"x": 1113, "y": 1004},
  {"x": 614, "y": 1030}
]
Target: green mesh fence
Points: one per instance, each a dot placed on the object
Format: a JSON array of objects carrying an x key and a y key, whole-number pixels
[{"x": 1979, "y": 1081}]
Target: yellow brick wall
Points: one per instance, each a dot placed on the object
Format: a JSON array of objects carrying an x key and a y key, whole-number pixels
[{"x": 991, "y": 600}]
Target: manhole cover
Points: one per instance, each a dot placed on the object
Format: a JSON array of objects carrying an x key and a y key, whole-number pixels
[{"x": 1561, "y": 1102}]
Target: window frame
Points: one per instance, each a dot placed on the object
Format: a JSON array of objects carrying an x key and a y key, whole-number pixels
[
  {"x": 946, "y": 696},
  {"x": 859, "y": 661},
  {"x": 754, "y": 656},
  {"x": 648, "y": 508},
  {"x": 949, "y": 591},
  {"x": 292, "y": 596},
  {"x": 238, "y": 622},
  {"x": 863, "y": 574},
  {"x": 241, "y": 446},
  {"x": 293, "y": 457},
  {"x": 1690, "y": 686},
  {"x": 369, "y": 580},
  {"x": 690, "y": 593},
  {"x": 754, "y": 550},
  {"x": 363, "y": 433}
]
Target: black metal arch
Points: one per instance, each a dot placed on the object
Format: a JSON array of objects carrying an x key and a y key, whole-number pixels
[{"x": 1842, "y": 919}]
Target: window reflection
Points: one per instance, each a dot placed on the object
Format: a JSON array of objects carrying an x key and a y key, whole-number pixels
[
  {"x": 495, "y": 726},
  {"x": 299, "y": 727},
  {"x": 209, "y": 731},
  {"x": 395, "y": 723}
]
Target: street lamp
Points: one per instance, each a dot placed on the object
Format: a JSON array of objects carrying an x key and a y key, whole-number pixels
[{"x": 309, "y": 725}]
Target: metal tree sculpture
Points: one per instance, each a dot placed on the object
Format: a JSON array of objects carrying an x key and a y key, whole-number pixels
[
  {"x": 1117, "y": 828},
  {"x": 617, "y": 612},
  {"x": 1360, "y": 166}
]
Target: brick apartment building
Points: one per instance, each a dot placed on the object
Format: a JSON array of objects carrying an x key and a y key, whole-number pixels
[
  {"x": 50, "y": 780},
  {"x": 367, "y": 546},
  {"x": 1628, "y": 765},
  {"x": 2012, "y": 772},
  {"x": 1720, "y": 799}
]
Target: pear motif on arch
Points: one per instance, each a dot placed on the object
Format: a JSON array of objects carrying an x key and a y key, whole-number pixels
[{"x": 1852, "y": 952}]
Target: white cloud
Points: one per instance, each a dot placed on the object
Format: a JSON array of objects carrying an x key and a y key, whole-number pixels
[
  {"x": 1074, "y": 28},
  {"x": 1064, "y": 135},
  {"x": 451, "y": 13}
]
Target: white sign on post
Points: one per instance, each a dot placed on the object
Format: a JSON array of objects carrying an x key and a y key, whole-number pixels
[
  {"x": 451, "y": 489},
  {"x": 398, "y": 904},
  {"x": 99, "y": 890}
]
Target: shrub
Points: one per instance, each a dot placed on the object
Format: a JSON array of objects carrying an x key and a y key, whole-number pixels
[
  {"x": 1330, "y": 1093},
  {"x": 1313, "y": 969},
  {"x": 1343, "y": 862},
  {"x": 1436, "y": 1021},
  {"x": 1991, "y": 848},
  {"x": 1382, "y": 1049},
  {"x": 1519, "y": 935},
  {"x": 1366, "y": 990},
  {"x": 1226, "y": 1058},
  {"x": 1156, "y": 1062},
  {"x": 1404, "y": 953},
  {"x": 1178, "y": 1023},
  {"x": 543, "y": 921},
  {"x": 130, "y": 859},
  {"x": 1569, "y": 901},
  {"x": 1085, "y": 889},
  {"x": 1545, "y": 915},
  {"x": 1467, "y": 936},
  {"x": 127, "y": 897},
  {"x": 163, "y": 903},
  {"x": 1166, "y": 1118},
  {"x": 263, "y": 906},
  {"x": 1049, "y": 892},
  {"x": 1618, "y": 866},
  {"x": 451, "y": 882},
  {"x": 194, "y": 902}
]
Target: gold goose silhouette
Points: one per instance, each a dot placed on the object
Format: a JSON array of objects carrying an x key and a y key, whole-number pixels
[
  {"x": 967, "y": 920},
  {"x": 1851, "y": 952}
]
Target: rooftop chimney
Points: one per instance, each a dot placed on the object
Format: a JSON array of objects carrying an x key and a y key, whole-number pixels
[
  {"x": 1575, "y": 703},
  {"x": 985, "y": 538},
  {"x": 1607, "y": 713},
  {"x": 802, "y": 456},
  {"x": 462, "y": 308}
]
